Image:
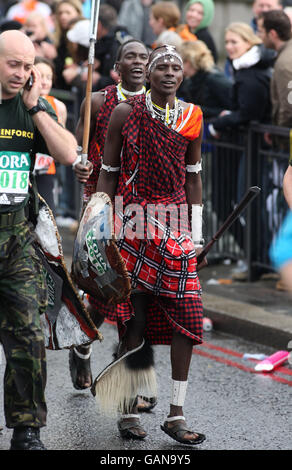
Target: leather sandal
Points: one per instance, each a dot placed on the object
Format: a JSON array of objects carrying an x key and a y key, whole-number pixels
[
  {"x": 79, "y": 363},
  {"x": 126, "y": 427},
  {"x": 146, "y": 404},
  {"x": 178, "y": 431}
]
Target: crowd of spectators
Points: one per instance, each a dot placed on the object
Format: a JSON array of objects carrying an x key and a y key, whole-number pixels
[
  {"x": 60, "y": 32},
  {"x": 232, "y": 94}
]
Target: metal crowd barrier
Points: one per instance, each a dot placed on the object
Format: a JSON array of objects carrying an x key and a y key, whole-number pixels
[
  {"x": 71, "y": 100},
  {"x": 67, "y": 182},
  {"x": 240, "y": 159}
]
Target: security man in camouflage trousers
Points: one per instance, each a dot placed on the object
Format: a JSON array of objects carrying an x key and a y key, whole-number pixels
[{"x": 27, "y": 125}]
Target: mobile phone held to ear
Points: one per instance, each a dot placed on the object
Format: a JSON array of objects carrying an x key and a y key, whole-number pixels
[{"x": 29, "y": 82}]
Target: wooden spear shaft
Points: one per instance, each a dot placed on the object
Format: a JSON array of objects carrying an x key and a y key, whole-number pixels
[
  {"x": 245, "y": 201},
  {"x": 87, "y": 110}
]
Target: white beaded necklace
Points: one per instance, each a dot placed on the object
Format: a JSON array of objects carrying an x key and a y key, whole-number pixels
[
  {"x": 168, "y": 116},
  {"x": 122, "y": 92}
]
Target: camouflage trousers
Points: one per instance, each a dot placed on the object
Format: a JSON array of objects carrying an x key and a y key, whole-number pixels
[{"x": 23, "y": 297}]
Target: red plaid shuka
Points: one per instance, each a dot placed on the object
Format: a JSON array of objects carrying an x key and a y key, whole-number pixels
[
  {"x": 96, "y": 144},
  {"x": 153, "y": 172}
]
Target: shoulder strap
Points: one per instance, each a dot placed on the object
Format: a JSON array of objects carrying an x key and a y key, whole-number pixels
[{"x": 33, "y": 202}]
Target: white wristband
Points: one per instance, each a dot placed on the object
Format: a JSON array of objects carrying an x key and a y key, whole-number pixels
[
  {"x": 197, "y": 223},
  {"x": 78, "y": 160},
  {"x": 194, "y": 168}
]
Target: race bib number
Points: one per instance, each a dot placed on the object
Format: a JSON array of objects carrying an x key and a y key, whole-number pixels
[
  {"x": 14, "y": 177},
  {"x": 42, "y": 163}
]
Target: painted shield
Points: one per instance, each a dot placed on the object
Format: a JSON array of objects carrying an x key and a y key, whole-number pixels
[
  {"x": 98, "y": 267},
  {"x": 66, "y": 322}
]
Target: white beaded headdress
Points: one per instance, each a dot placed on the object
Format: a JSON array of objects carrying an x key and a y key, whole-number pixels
[{"x": 170, "y": 53}]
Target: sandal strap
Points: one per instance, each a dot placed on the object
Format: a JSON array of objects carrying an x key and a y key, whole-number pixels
[
  {"x": 124, "y": 425},
  {"x": 175, "y": 418},
  {"x": 83, "y": 356},
  {"x": 130, "y": 416},
  {"x": 178, "y": 433},
  {"x": 129, "y": 425},
  {"x": 180, "y": 429}
]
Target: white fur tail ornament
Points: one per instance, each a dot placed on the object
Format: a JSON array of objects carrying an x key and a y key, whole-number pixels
[{"x": 117, "y": 386}]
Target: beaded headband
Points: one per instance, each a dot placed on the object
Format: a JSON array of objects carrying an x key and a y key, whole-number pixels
[{"x": 169, "y": 54}]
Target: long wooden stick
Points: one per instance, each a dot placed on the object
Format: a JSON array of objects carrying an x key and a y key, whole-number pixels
[
  {"x": 87, "y": 111},
  {"x": 247, "y": 198},
  {"x": 87, "y": 116}
]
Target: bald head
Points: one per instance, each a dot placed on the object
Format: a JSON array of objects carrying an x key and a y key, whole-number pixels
[
  {"x": 15, "y": 41},
  {"x": 17, "y": 55}
]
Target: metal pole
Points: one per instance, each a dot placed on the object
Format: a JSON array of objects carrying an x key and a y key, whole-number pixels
[{"x": 87, "y": 112}]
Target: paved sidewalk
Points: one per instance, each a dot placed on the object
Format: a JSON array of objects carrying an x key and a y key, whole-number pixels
[{"x": 255, "y": 311}]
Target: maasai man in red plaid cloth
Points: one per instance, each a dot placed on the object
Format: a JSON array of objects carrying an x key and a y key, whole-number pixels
[
  {"x": 130, "y": 66},
  {"x": 152, "y": 156}
]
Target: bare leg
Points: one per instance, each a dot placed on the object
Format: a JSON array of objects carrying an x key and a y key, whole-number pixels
[
  {"x": 84, "y": 377},
  {"x": 131, "y": 340},
  {"x": 181, "y": 354},
  {"x": 136, "y": 326}
]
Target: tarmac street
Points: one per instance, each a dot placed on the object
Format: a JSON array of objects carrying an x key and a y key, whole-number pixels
[{"x": 236, "y": 407}]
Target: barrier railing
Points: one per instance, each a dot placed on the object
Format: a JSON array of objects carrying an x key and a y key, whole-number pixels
[
  {"x": 71, "y": 100},
  {"x": 266, "y": 167},
  {"x": 68, "y": 199},
  {"x": 240, "y": 159}
]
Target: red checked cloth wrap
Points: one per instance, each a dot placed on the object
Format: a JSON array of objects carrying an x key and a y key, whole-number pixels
[
  {"x": 96, "y": 144},
  {"x": 153, "y": 172}
]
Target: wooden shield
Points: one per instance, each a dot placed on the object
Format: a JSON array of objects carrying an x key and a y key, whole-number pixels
[
  {"x": 98, "y": 267},
  {"x": 66, "y": 322}
]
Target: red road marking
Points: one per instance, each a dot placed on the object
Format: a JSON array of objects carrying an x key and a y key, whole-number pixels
[
  {"x": 242, "y": 367},
  {"x": 283, "y": 370},
  {"x": 228, "y": 362},
  {"x": 224, "y": 350},
  {"x": 223, "y": 360}
]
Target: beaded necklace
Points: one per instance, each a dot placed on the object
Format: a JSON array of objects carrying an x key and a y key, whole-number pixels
[
  {"x": 122, "y": 92},
  {"x": 168, "y": 116}
]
